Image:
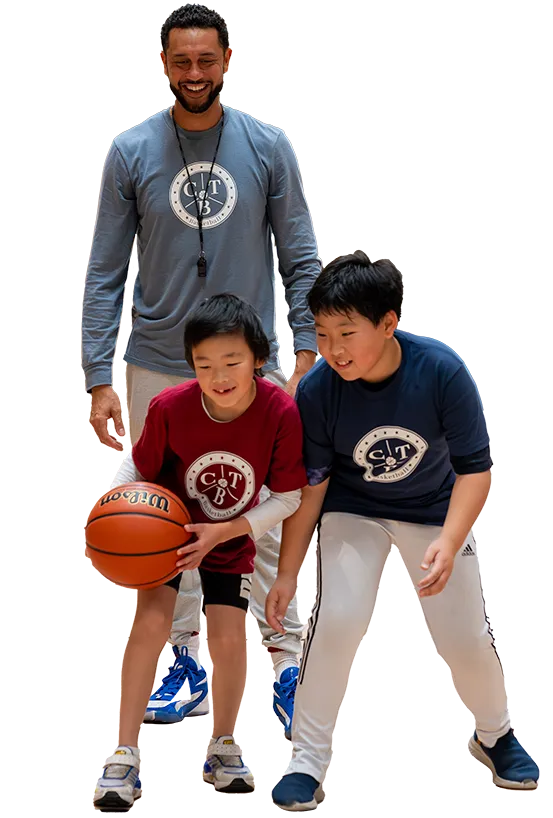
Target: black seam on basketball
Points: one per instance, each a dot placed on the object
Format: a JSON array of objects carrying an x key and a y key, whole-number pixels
[
  {"x": 134, "y": 514},
  {"x": 139, "y": 554},
  {"x": 148, "y": 487},
  {"x": 166, "y": 578}
]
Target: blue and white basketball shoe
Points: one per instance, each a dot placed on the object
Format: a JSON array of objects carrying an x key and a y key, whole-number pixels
[
  {"x": 224, "y": 767},
  {"x": 298, "y": 792},
  {"x": 164, "y": 706},
  {"x": 511, "y": 766},
  {"x": 119, "y": 787},
  {"x": 283, "y": 698}
]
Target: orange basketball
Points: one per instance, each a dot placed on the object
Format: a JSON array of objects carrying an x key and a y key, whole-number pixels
[{"x": 133, "y": 534}]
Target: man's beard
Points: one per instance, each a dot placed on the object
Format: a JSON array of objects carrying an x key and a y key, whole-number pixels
[{"x": 201, "y": 107}]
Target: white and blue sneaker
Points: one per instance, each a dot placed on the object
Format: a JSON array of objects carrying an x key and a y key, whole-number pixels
[
  {"x": 165, "y": 707},
  {"x": 511, "y": 766},
  {"x": 283, "y": 698},
  {"x": 298, "y": 792},
  {"x": 119, "y": 787},
  {"x": 224, "y": 767}
]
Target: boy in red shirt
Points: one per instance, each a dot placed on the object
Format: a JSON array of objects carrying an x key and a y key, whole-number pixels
[{"x": 214, "y": 442}]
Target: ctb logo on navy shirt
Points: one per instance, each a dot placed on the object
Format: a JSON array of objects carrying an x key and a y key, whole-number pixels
[{"x": 389, "y": 453}]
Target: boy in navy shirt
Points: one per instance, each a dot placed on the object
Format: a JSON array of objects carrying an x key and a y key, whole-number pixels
[{"x": 396, "y": 452}]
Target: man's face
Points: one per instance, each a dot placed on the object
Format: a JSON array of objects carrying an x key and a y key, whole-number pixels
[
  {"x": 195, "y": 63},
  {"x": 351, "y": 344}
]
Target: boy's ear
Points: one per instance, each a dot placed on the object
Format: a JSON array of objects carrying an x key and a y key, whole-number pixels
[
  {"x": 259, "y": 363},
  {"x": 390, "y": 323}
]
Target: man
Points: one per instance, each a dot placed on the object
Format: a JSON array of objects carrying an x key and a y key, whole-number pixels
[{"x": 202, "y": 187}]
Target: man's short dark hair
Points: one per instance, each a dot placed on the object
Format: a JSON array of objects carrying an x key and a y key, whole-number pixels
[
  {"x": 225, "y": 314},
  {"x": 194, "y": 16},
  {"x": 354, "y": 282}
]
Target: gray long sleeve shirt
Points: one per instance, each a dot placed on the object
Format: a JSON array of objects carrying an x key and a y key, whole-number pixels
[{"x": 255, "y": 188}]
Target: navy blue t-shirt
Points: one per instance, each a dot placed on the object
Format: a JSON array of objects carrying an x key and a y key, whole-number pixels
[{"x": 388, "y": 448}]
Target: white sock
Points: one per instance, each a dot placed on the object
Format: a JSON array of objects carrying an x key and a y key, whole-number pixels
[
  {"x": 283, "y": 660},
  {"x": 193, "y": 645}
]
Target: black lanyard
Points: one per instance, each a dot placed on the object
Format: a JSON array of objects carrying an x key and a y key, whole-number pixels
[{"x": 202, "y": 261}]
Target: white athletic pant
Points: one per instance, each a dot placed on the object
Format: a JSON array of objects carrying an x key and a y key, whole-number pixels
[
  {"x": 351, "y": 556},
  {"x": 142, "y": 386}
]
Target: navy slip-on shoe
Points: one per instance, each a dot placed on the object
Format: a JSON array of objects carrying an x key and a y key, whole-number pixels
[{"x": 509, "y": 762}]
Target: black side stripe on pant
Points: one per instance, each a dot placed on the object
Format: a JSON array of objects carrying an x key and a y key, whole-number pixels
[
  {"x": 492, "y": 637},
  {"x": 316, "y": 608}
]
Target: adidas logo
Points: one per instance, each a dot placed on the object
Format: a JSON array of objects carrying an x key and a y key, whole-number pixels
[{"x": 468, "y": 551}]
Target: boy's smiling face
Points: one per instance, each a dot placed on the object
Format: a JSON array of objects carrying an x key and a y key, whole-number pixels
[
  {"x": 224, "y": 366},
  {"x": 355, "y": 348}
]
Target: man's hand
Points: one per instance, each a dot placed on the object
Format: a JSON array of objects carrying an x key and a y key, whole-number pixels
[
  {"x": 278, "y": 599},
  {"x": 208, "y": 535},
  {"x": 439, "y": 557},
  {"x": 105, "y": 405},
  {"x": 304, "y": 361}
]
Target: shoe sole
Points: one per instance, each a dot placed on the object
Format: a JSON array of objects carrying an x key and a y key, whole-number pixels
[
  {"x": 236, "y": 785},
  {"x": 112, "y": 802},
  {"x": 157, "y": 720},
  {"x": 478, "y": 753},
  {"x": 296, "y": 806},
  {"x": 172, "y": 720}
]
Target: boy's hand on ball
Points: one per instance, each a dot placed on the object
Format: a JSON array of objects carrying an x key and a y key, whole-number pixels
[
  {"x": 439, "y": 558},
  {"x": 208, "y": 535}
]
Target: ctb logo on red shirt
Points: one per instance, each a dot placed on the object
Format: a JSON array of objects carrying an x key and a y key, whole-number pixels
[{"x": 222, "y": 483}]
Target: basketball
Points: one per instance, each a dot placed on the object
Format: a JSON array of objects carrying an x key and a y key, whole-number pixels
[{"x": 133, "y": 534}]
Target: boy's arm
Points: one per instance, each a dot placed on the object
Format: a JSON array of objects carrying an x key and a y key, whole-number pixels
[
  {"x": 152, "y": 452},
  {"x": 297, "y": 531},
  {"x": 254, "y": 523},
  {"x": 318, "y": 456},
  {"x": 126, "y": 473},
  {"x": 272, "y": 511},
  {"x": 467, "y": 438},
  {"x": 467, "y": 501}
]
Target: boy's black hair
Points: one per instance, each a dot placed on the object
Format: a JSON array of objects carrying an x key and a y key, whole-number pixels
[
  {"x": 194, "y": 16},
  {"x": 226, "y": 314},
  {"x": 354, "y": 282}
]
